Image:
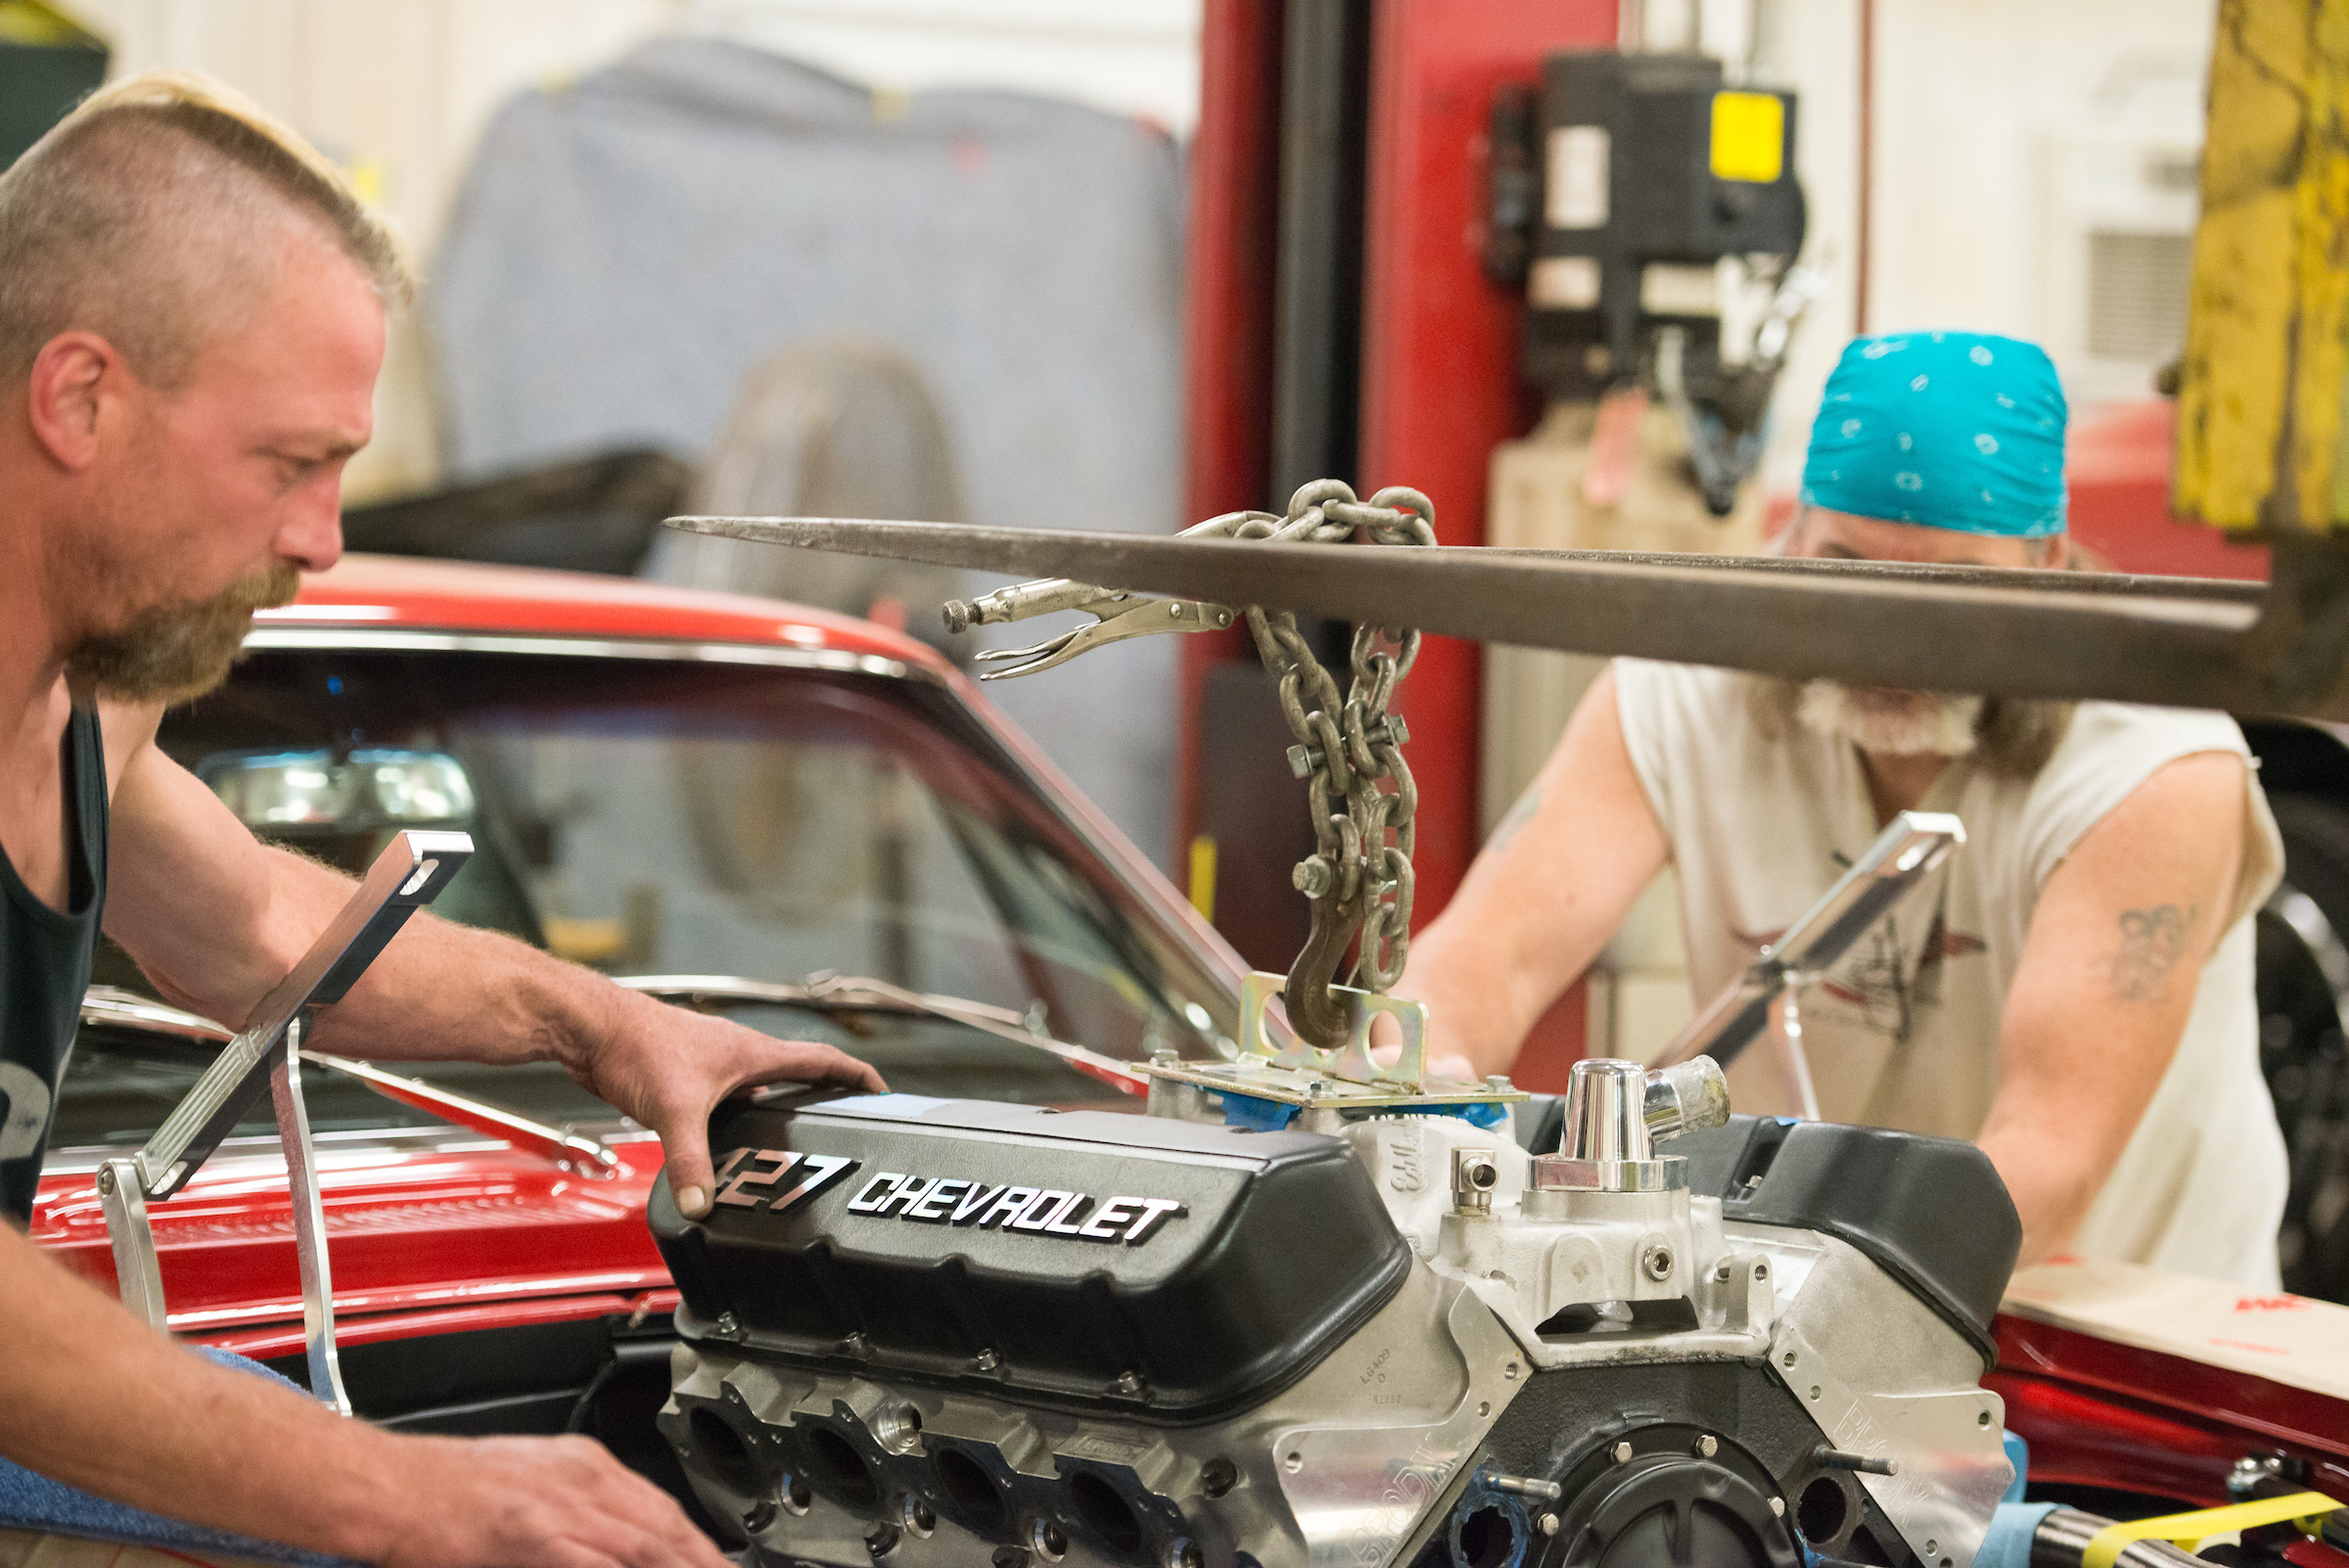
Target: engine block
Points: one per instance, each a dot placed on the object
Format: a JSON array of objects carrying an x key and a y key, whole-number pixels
[{"x": 951, "y": 1332}]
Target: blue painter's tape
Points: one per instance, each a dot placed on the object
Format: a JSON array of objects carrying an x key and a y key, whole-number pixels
[
  {"x": 1263, "y": 1116},
  {"x": 2019, "y": 1454},
  {"x": 2011, "y": 1528}
]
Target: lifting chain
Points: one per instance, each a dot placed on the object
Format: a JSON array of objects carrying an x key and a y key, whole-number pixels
[{"x": 1359, "y": 878}]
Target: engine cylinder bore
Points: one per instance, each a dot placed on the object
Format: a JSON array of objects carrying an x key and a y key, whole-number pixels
[
  {"x": 838, "y": 1469},
  {"x": 1822, "y": 1512},
  {"x": 723, "y": 1450},
  {"x": 1488, "y": 1532},
  {"x": 971, "y": 1493},
  {"x": 1104, "y": 1513}
]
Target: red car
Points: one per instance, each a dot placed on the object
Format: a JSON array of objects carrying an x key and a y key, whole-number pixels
[{"x": 717, "y": 799}]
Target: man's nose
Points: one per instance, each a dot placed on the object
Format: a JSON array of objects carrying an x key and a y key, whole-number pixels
[{"x": 312, "y": 535}]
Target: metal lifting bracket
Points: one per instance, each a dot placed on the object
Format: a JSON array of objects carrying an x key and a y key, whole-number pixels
[{"x": 409, "y": 874}]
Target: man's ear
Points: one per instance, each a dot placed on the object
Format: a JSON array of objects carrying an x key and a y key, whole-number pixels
[{"x": 72, "y": 377}]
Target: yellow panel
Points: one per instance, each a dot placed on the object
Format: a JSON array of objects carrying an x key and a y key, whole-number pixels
[
  {"x": 2260, "y": 432},
  {"x": 1749, "y": 137},
  {"x": 1203, "y": 876}
]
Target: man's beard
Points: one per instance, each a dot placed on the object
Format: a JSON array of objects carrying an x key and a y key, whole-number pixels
[
  {"x": 177, "y": 650},
  {"x": 1891, "y": 723}
]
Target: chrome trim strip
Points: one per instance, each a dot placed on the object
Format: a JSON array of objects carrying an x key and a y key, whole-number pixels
[
  {"x": 389, "y": 640},
  {"x": 261, "y": 1155}
]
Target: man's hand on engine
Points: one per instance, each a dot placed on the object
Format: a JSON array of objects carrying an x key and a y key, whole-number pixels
[
  {"x": 668, "y": 1068},
  {"x": 532, "y": 1502}
]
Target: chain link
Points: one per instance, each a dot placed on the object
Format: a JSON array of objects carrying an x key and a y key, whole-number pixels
[{"x": 1358, "y": 879}]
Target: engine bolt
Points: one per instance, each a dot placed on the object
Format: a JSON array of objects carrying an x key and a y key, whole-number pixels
[
  {"x": 1218, "y": 1476},
  {"x": 987, "y": 1360},
  {"x": 1130, "y": 1382},
  {"x": 728, "y": 1326},
  {"x": 1777, "y": 1506},
  {"x": 1549, "y": 1524},
  {"x": 1657, "y": 1261},
  {"x": 1009, "y": 1557},
  {"x": 1707, "y": 1445},
  {"x": 1623, "y": 1452},
  {"x": 1313, "y": 876},
  {"x": 881, "y": 1540},
  {"x": 760, "y": 1515}
]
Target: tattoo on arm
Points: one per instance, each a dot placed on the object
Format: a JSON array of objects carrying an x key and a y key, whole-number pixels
[
  {"x": 2152, "y": 941},
  {"x": 1519, "y": 816}
]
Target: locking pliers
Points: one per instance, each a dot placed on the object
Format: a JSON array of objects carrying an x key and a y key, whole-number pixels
[{"x": 1117, "y": 616}]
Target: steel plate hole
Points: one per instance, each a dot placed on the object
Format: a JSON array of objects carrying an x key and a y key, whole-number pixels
[
  {"x": 1294, "y": 1463},
  {"x": 842, "y": 1468},
  {"x": 1105, "y": 1513},
  {"x": 723, "y": 1450},
  {"x": 972, "y": 1493},
  {"x": 1487, "y": 1540},
  {"x": 1821, "y": 1512}
]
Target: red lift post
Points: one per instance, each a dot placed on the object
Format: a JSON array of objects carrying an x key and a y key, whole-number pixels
[{"x": 1440, "y": 387}]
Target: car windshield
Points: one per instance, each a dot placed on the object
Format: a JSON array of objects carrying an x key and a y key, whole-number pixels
[{"x": 675, "y": 816}]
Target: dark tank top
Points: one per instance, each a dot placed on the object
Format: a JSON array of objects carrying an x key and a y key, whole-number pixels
[{"x": 44, "y": 968}]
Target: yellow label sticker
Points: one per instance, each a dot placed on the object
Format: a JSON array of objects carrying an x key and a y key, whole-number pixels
[{"x": 1749, "y": 137}]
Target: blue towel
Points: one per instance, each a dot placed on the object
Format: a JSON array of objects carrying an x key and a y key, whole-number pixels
[{"x": 33, "y": 1502}]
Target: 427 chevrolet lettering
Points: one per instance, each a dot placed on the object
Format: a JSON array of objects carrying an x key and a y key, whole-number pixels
[{"x": 754, "y": 1178}]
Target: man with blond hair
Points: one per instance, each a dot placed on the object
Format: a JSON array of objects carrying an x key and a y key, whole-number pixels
[{"x": 191, "y": 317}]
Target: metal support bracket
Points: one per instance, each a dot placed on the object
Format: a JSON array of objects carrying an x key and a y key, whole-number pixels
[
  {"x": 1351, "y": 1062},
  {"x": 1348, "y": 1078},
  {"x": 409, "y": 874}
]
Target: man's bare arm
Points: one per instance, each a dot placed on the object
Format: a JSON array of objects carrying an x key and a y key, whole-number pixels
[
  {"x": 1557, "y": 877},
  {"x": 92, "y": 1397},
  {"x": 215, "y": 919},
  {"x": 2110, "y": 968}
]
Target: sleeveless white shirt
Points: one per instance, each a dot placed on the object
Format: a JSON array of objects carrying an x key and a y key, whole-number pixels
[{"x": 1763, "y": 817}]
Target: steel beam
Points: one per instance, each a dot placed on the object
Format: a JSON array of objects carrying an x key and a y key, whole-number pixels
[{"x": 2183, "y": 642}]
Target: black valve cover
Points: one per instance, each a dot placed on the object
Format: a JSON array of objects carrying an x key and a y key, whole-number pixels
[{"x": 1167, "y": 1269}]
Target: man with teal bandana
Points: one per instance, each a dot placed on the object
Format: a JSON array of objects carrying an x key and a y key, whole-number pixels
[{"x": 2073, "y": 992}]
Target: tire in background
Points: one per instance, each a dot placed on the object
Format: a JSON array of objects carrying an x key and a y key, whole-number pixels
[{"x": 2303, "y": 973}]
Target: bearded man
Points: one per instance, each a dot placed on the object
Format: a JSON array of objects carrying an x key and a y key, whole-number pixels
[
  {"x": 192, "y": 315},
  {"x": 2073, "y": 992}
]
